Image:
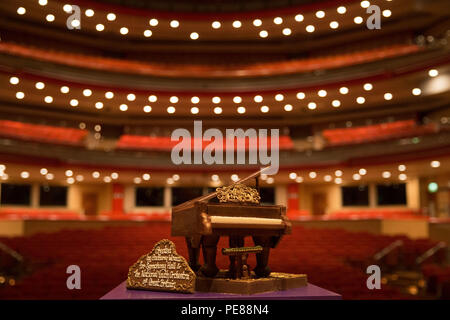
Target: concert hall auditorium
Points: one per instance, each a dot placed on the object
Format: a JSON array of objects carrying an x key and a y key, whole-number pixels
[{"x": 114, "y": 112}]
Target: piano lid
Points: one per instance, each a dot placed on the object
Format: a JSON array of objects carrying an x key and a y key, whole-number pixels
[{"x": 207, "y": 197}]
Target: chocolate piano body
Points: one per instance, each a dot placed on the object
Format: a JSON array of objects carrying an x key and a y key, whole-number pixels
[{"x": 203, "y": 222}]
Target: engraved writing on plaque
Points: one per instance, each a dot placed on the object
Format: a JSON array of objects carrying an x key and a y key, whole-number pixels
[{"x": 163, "y": 269}]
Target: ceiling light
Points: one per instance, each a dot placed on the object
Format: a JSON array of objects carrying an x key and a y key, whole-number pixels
[
  {"x": 40, "y": 85},
  {"x": 362, "y": 171},
  {"x": 358, "y": 20},
  {"x": 21, "y": 10},
  {"x": 24, "y": 174},
  {"x": 107, "y": 179},
  {"x": 320, "y": 14},
  {"x": 288, "y": 107},
  {"x": 312, "y": 105},
  {"x": 146, "y": 176},
  {"x": 287, "y": 31},
  {"x": 258, "y": 98},
  {"x": 109, "y": 95},
  {"x": 147, "y": 33},
  {"x": 131, "y": 97},
  {"x": 79, "y": 178},
  {"x": 111, "y": 17},
  {"x": 360, "y": 100},
  {"x": 387, "y": 13},
  {"x": 416, "y": 92},
  {"x": 216, "y": 100},
  {"x": 87, "y": 92},
  {"x": 234, "y": 177},
  {"x": 292, "y": 175},
  {"x": 257, "y": 22},
  {"x": 299, "y": 179},
  {"x": 343, "y": 90},
  {"x": 174, "y": 24},
  {"x": 51, "y": 18},
  {"x": 147, "y": 109},
  {"x": 74, "y": 102},
  {"x": 215, "y": 177},
  {"x": 336, "y": 103},
  {"x": 342, "y": 10},
  {"x": 322, "y": 93},
  {"x": 264, "y": 109},
  {"x": 153, "y": 22},
  {"x": 49, "y": 176},
  {"x": 270, "y": 180},
  {"x": 402, "y": 167},
  {"x": 310, "y": 28},
  {"x": 402, "y": 176},
  {"x": 194, "y": 110},
  {"x": 173, "y": 99},
  {"x": 338, "y": 173},
  {"x": 95, "y": 174},
  {"x": 152, "y": 98},
  {"x": 435, "y": 164},
  {"x": 100, "y": 27},
  {"x": 356, "y": 176},
  {"x": 68, "y": 173},
  {"x": 237, "y": 24},
  {"x": 89, "y": 13},
  {"x": 176, "y": 177},
  {"x": 237, "y": 99},
  {"x": 70, "y": 180},
  {"x": 194, "y": 35},
  {"x": 123, "y": 30},
  {"x": 75, "y": 23},
  {"x": 368, "y": 86},
  {"x": 137, "y": 180},
  {"x": 43, "y": 2},
  {"x": 48, "y": 99},
  {"x": 123, "y": 107},
  {"x": 217, "y": 110},
  {"x": 20, "y": 95},
  {"x": 216, "y": 25},
  {"x": 327, "y": 178},
  {"x": 334, "y": 24},
  {"x": 365, "y": 4},
  {"x": 263, "y": 34},
  {"x": 278, "y": 20},
  {"x": 433, "y": 73},
  {"x": 65, "y": 89},
  {"x": 312, "y": 175},
  {"x": 241, "y": 110},
  {"x": 14, "y": 80},
  {"x": 386, "y": 174},
  {"x": 67, "y": 8},
  {"x": 195, "y": 100},
  {"x": 171, "y": 109},
  {"x": 114, "y": 175},
  {"x": 299, "y": 17},
  {"x": 388, "y": 96},
  {"x": 43, "y": 171},
  {"x": 99, "y": 105},
  {"x": 300, "y": 95}
]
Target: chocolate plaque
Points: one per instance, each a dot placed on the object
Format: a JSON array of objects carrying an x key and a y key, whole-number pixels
[{"x": 163, "y": 269}]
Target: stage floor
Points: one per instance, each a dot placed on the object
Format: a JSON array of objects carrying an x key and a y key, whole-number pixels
[{"x": 309, "y": 292}]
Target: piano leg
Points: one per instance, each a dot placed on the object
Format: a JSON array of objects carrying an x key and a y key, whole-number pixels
[
  {"x": 235, "y": 242},
  {"x": 209, "y": 246},
  {"x": 193, "y": 246},
  {"x": 262, "y": 259}
]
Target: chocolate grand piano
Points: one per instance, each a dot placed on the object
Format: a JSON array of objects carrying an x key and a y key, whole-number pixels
[{"x": 236, "y": 215}]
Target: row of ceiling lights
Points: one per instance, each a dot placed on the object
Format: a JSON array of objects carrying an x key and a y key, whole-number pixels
[
  {"x": 71, "y": 177},
  {"x": 216, "y": 100},
  {"x": 236, "y": 24}
]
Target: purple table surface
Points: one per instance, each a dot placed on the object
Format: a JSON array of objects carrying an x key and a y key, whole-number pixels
[{"x": 309, "y": 292}]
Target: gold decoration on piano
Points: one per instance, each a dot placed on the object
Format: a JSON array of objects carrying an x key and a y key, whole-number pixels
[{"x": 238, "y": 193}]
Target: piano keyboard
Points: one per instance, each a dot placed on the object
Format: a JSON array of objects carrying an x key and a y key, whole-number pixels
[{"x": 245, "y": 222}]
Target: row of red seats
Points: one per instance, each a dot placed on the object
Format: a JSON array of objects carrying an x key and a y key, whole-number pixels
[
  {"x": 379, "y": 132},
  {"x": 376, "y": 214},
  {"x": 105, "y": 256},
  {"x": 158, "y": 143},
  {"x": 41, "y": 133}
]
